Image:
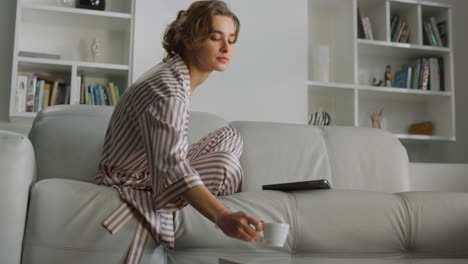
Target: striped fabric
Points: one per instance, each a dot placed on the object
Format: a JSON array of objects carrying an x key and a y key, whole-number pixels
[{"x": 146, "y": 156}]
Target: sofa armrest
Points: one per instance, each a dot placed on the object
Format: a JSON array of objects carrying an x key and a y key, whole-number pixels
[{"x": 17, "y": 173}]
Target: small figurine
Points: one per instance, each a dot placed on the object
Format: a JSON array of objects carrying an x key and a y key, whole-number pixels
[
  {"x": 95, "y": 49},
  {"x": 376, "y": 118},
  {"x": 375, "y": 83},
  {"x": 388, "y": 76}
]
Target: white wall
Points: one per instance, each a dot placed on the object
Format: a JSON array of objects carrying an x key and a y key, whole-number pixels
[{"x": 266, "y": 78}]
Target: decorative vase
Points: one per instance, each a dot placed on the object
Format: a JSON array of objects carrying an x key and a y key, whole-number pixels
[
  {"x": 66, "y": 3},
  {"x": 91, "y": 4},
  {"x": 96, "y": 50}
]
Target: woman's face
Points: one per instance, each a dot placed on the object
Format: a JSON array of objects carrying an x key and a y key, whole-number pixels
[{"x": 215, "y": 52}]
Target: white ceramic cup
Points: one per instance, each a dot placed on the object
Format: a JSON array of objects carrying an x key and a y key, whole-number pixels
[{"x": 275, "y": 234}]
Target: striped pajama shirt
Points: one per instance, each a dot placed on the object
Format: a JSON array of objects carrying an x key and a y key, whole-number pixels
[{"x": 146, "y": 156}]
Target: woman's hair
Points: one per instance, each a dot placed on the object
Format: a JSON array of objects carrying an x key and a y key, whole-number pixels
[{"x": 195, "y": 24}]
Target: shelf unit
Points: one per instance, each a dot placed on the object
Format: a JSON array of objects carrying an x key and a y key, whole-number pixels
[
  {"x": 347, "y": 93},
  {"x": 44, "y": 26}
]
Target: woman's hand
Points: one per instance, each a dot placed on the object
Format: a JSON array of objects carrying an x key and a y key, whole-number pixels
[{"x": 237, "y": 225}]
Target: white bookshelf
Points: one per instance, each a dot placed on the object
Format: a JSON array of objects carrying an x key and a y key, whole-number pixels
[
  {"x": 348, "y": 93},
  {"x": 44, "y": 26}
]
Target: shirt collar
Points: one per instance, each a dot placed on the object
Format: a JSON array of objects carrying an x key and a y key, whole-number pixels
[{"x": 179, "y": 65}]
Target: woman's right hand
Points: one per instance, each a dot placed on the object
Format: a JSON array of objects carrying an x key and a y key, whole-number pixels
[{"x": 237, "y": 225}]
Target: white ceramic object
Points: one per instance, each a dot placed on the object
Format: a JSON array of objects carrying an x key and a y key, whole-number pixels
[{"x": 275, "y": 234}]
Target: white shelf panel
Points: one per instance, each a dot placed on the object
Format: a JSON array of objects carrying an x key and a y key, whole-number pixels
[
  {"x": 395, "y": 49},
  {"x": 423, "y": 137},
  {"x": 388, "y": 94},
  {"x": 52, "y": 62},
  {"x": 434, "y": 4},
  {"x": 80, "y": 11},
  {"x": 402, "y": 90},
  {"x": 405, "y": 1},
  {"x": 47, "y": 14},
  {"x": 24, "y": 115},
  {"x": 330, "y": 84}
]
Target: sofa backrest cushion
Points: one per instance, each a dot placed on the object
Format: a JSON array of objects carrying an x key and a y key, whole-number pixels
[
  {"x": 350, "y": 158},
  {"x": 367, "y": 159},
  {"x": 277, "y": 152},
  {"x": 68, "y": 139}
]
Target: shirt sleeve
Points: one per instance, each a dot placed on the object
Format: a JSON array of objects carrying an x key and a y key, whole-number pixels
[{"x": 166, "y": 147}]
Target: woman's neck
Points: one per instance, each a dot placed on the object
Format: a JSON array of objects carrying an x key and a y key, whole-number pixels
[{"x": 197, "y": 76}]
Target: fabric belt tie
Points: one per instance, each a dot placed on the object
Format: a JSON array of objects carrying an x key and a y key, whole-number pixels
[{"x": 119, "y": 218}]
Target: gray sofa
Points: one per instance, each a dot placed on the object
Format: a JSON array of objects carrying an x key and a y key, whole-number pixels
[{"x": 371, "y": 215}]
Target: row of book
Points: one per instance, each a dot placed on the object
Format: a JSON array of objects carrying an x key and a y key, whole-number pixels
[
  {"x": 425, "y": 74},
  {"x": 35, "y": 92},
  {"x": 400, "y": 30},
  {"x": 435, "y": 34},
  {"x": 99, "y": 94},
  {"x": 364, "y": 26}
]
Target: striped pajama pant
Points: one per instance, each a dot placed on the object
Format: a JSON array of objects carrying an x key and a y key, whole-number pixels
[{"x": 215, "y": 158}]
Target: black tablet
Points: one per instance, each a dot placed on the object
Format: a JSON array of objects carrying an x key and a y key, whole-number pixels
[{"x": 295, "y": 186}]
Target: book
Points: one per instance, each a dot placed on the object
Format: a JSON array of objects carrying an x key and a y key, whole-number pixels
[
  {"x": 431, "y": 39},
  {"x": 30, "y": 93},
  {"x": 395, "y": 22},
  {"x": 408, "y": 34},
  {"x": 442, "y": 27},
  {"x": 117, "y": 93},
  {"x": 38, "y": 55},
  {"x": 82, "y": 91},
  {"x": 39, "y": 100},
  {"x": 416, "y": 74},
  {"x": 409, "y": 75},
  {"x": 435, "y": 29},
  {"x": 36, "y": 95},
  {"x": 368, "y": 27},
  {"x": 441, "y": 74},
  {"x": 361, "y": 33},
  {"x": 97, "y": 96},
  {"x": 67, "y": 94},
  {"x": 434, "y": 74},
  {"x": 54, "y": 93},
  {"x": 401, "y": 78},
  {"x": 102, "y": 98},
  {"x": 86, "y": 94},
  {"x": 20, "y": 96},
  {"x": 108, "y": 95},
  {"x": 113, "y": 94},
  {"x": 75, "y": 94},
  {"x": 92, "y": 93},
  {"x": 425, "y": 74},
  {"x": 399, "y": 31},
  {"x": 404, "y": 36},
  {"x": 46, "y": 97},
  {"x": 61, "y": 94}
]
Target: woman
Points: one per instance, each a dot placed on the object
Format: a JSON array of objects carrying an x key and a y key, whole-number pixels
[{"x": 146, "y": 156}]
